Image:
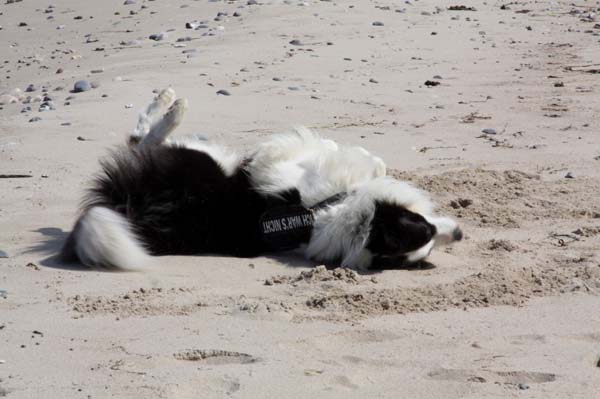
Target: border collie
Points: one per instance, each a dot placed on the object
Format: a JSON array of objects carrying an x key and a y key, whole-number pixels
[{"x": 187, "y": 196}]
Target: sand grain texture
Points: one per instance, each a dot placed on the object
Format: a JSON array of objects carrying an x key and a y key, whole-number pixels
[{"x": 491, "y": 107}]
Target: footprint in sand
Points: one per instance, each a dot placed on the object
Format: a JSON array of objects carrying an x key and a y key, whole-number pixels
[
  {"x": 506, "y": 377},
  {"x": 215, "y": 356}
]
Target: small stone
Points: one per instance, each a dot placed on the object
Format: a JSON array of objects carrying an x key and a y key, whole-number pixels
[
  {"x": 129, "y": 2},
  {"x": 373, "y": 81},
  {"x": 158, "y": 36},
  {"x": 252, "y": 2},
  {"x": 569, "y": 175},
  {"x": 31, "y": 88},
  {"x": 35, "y": 119},
  {"x": 192, "y": 25},
  {"x": 81, "y": 86},
  {"x": 489, "y": 131},
  {"x": 296, "y": 42},
  {"x": 59, "y": 70},
  {"x": 5, "y": 255},
  {"x": 431, "y": 83},
  {"x": 523, "y": 386},
  {"x": 559, "y": 84}
]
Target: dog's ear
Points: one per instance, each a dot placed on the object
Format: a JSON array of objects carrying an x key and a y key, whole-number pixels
[{"x": 396, "y": 230}]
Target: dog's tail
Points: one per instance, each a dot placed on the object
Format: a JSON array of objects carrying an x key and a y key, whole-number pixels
[{"x": 103, "y": 238}]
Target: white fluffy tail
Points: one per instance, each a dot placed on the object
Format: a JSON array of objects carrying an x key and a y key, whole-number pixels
[{"x": 103, "y": 238}]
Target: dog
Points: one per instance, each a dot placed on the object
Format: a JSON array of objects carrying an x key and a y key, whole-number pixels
[{"x": 188, "y": 196}]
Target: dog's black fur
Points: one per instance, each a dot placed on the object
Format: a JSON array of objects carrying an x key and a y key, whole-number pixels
[{"x": 180, "y": 202}]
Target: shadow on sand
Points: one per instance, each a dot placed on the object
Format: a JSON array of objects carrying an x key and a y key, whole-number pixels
[{"x": 54, "y": 239}]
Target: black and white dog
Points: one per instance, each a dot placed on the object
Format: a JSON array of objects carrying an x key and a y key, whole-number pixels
[{"x": 187, "y": 196}]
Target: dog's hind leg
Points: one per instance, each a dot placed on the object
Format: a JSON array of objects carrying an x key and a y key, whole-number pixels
[
  {"x": 153, "y": 112},
  {"x": 165, "y": 126}
]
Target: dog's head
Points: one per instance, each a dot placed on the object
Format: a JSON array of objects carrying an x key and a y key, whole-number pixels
[
  {"x": 382, "y": 220},
  {"x": 397, "y": 233}
]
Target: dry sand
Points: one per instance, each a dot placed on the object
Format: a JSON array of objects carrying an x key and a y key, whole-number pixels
[{"x": 512, "y": 311}]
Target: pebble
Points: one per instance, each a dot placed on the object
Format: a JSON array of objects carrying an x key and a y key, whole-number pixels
[
  {"x": 81, "y": 85},
  {"x": 431, "y": 83},
  {"x": 373, "y": 80},
  {"x": 489, "y": 131},
  {"x": 31, "y": 88},
  {"x": 296, "y": 42},
  {"x": 35, "y": 119},
  {"x": 129, "y": 2},
  {"x": 3, "y": 254},
  {"x": 569, "y": 175},
  {"x": 59, "y": 70},
  {"x": 46, "y": 106},
  {"x": 192, "y": 25},
  {"x": 252, "y": 2},
  {"x": 223, "y": 92},
  {"x": 158, "y": 36},
  {"x": 523, "y": 386},
  {"x": 377, "y": 23}
]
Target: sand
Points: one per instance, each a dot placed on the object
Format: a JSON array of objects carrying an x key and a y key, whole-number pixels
[{"x": 511, "y": 311}]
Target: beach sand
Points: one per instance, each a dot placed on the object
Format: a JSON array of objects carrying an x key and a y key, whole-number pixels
[{"x": 511, "y": 311}]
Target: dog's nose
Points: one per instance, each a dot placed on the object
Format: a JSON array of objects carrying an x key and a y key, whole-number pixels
[{"x": 457, "y": 234}]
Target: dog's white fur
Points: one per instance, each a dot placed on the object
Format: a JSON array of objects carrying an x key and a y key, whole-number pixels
[{"x": 317, "y": 167}]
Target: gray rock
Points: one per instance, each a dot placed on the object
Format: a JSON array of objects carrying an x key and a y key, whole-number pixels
[
  {"x": 31, "y": 88},
  {"x": 35, "y": 119},
  {"x": 377, "y": 23},
  {"x": 252, "y": 2},
  {"x": 3, "y": 254},
  {"x": 81, "y": 86},
  {"x": 158, "y": 36},
  {"x": 296, "y": 42},
  {"x": 569, "y": 175},
  {"x": 489, "y": 131},
  {"x": 223, "y": 92},
  {"x": 523, "y": 386},
  {"x": 129, "y": 2}
]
